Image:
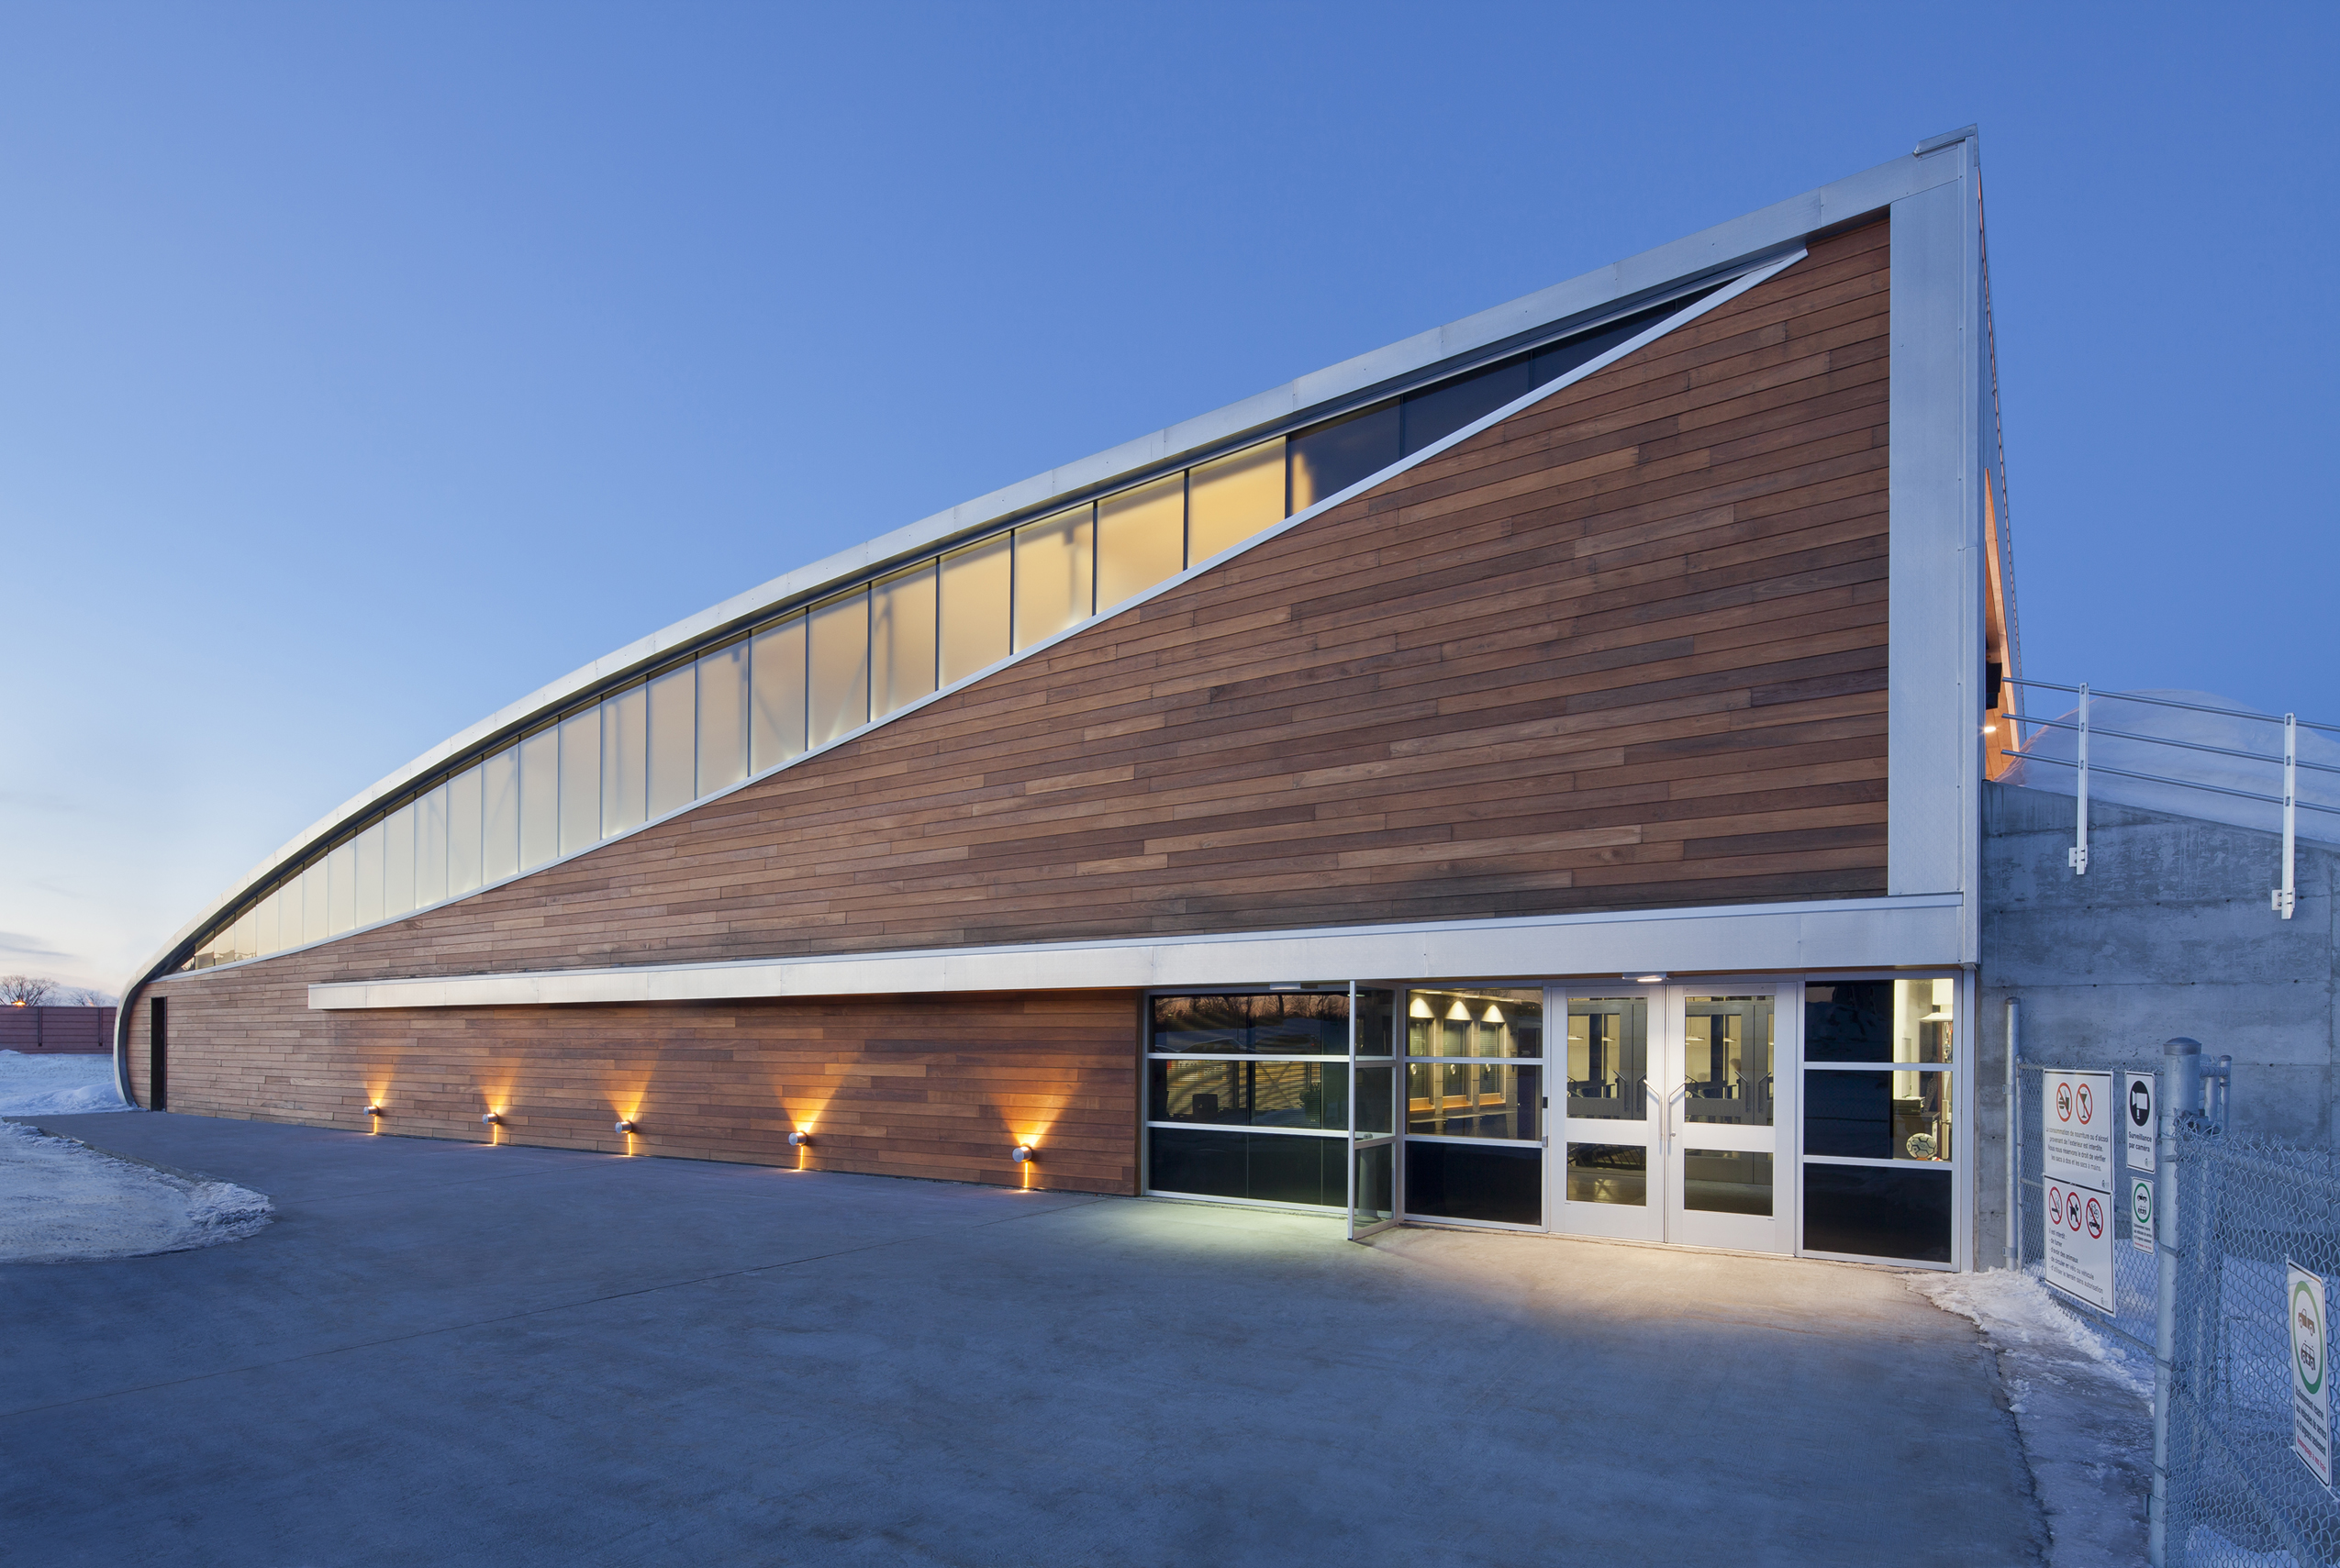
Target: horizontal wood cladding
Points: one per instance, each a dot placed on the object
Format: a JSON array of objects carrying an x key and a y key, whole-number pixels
[{"x": 932, "y": 1087}]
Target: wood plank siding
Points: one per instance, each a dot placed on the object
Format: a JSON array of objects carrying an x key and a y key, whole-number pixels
[{"x": 1625, "y": 649}]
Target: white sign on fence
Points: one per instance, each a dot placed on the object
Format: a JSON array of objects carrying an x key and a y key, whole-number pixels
[
  {"x": 2139, "y": 1107},
  {"x": 2141, "y": 1213},
  {"x": 2079, "y": 1241},
  {"x": 2076, "y": 1121},
  {"x": 2310, "y": 1382}
]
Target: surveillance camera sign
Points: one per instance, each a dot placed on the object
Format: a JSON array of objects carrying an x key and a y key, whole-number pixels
[
  {"x": 2310, "y": 1380},
  {"x": 2137, "y": 1109}
]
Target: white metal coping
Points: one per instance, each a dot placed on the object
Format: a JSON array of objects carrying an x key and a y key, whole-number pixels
[{"x": 1922, "y": 931}]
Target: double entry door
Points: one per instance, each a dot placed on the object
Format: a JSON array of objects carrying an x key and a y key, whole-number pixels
[{"x": 1669, "y": 1127}]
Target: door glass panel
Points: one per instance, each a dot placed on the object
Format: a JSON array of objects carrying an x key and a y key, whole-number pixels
[
  {"x": 1609, "y": 1172},
  {"x": 1469, "y": 1099},
  {"x": 1474, "y": 1022},
  {"x": 1726, "y": 1181},
  {"x": 1608, "y": 1057},
  {"x": 1377, "y": 1101},
  {"x": 1726, "y": 1061},
  {"x": 1376, "y": 1189},
  {"x": 1377, "y": 1022}
]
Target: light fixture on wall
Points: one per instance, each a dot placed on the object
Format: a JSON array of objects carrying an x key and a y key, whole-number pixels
[
  {"x": 375, "y": 1111},
  {"x": 800, "y": 1139},
  {"x": 493, "y": 1119},
  {"x": 624, "y": 1124},
  {"x": 1644, "y": 979},
  {"x": 1024, "y": 1154}
]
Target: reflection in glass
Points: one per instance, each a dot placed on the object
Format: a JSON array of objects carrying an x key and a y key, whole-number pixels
[
  {"x": 723, "y": 717},
  {"x": 1726, "y": 1181},
  {"x": 1056, "y": 574},
  {"x": 367, "y": 863},
  {"x": 398, "y": 863},
  {"x": 1332, "y": 456},
  {"x": 580, "y": 780},
  {"x": 1376, "y": 1191},
  {"x": 264, "y": 936},
  {"x": 1377, "y": 1033},
  {"x": 1726, "y": 1059},
  {"x": 1311, "y": 1095},
  {"x": 625, "y": 760},
  {"x": 1376, "y": 1100},
  {"x": 1474, "y": 1022},
  {"x": 1264, "y": 1167},
  {"x": 1140, "y": 539},
  {"x": 1469, "y": 1099},
  {"x": 539, "y": 797},
  {"x": 977, "y": 583},
  {"x": 1608, "y": 1057},
  {"x": 901, "y": 640},
  {"x": 1475, "y": 1181},
  {"x": 1233, "y": 498},
  {"x": 1863, "y": 1116},
  {"x": 776, "y": 703},
  {"x": 1879, "y": 1020},
  {"x": 839, "y": 658},
  {"x": 431, "y": 847},
  {"x": 340, "y": 890},
  {"x": 1281, "y": 1023},
  {"x": 1878, "y": 1211},
  {"x": 499, "y": 831},
  {"x": 674, "y": 753},
  {"x": 1609, "y": 1172},
  {"x": 314, "y": 927},
  {"x": 1440, "y": 411},
  {"x": 462, "y": 833}
]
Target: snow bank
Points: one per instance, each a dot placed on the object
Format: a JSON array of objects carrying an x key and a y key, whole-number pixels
[
  {"x": 2045, "y": 764},
  {"x": 62, "y": 1201},
  {"x": 32, "y": 1084},
  {"x": 2082, "y": 1405}
]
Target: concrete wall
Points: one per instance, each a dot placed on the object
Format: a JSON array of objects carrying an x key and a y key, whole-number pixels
[{"x": 2169, "y": 933}]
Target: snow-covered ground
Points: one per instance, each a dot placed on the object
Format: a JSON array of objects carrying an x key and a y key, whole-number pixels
[
  {"x": 2083, "y": 1404},
  {"x": 62, "y": 1201},
  {"x": 33, "y": 1085}
]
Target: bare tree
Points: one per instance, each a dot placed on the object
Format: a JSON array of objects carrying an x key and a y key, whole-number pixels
[
  {"x": 82, "y": 996},
  {"x": 26, "y": 989}
]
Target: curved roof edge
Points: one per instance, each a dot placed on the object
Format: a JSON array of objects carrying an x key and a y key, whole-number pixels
[{"x": 1740, "y": 240}]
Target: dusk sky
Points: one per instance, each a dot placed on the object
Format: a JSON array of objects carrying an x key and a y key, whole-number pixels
[{"x": 363, "y": 367}]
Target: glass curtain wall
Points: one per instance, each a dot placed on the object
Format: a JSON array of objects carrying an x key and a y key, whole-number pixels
[
  {"x": 1475, "y": 1105},
  {"x": 1878, "y": 1165},
  {"x": 1247, "y": 1097},
  {"x": 811, "y": 677}
]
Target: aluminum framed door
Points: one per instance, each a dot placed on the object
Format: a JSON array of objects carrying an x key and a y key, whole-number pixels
[
  {"x": 1607, "y": 1162},
  {"x": 1375, "y": 1147},
  {"x": 1726, "y": 1096}
]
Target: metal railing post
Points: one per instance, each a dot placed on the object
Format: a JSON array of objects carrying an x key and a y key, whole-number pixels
[
  {"x": 2181, "y": 1095},
  {"x": 2287, "y": 897},
  {"x": 2014, "y": 1131},
  {"x": 2078, "y": 857}
]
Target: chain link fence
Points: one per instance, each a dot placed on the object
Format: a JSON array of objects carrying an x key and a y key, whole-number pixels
[{"x": 2238, "y": 1496}]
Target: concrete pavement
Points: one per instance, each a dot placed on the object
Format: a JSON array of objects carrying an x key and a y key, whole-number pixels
[{"x": 448, "y": 1353}]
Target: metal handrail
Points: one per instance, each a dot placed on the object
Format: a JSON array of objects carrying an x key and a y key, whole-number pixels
[
  {"x": 2166, "y": 702},
  {"x": 2188, "y": 745},
  {"x": 2181, "y": 784}
]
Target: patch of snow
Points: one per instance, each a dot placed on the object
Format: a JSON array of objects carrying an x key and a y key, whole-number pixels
[
  {"x": 33, "y": 1084},
  {"x": 2083, "y": 1406},
  {"x": 2045, "y": 763},
  {"x": 63, "y": 1201}
]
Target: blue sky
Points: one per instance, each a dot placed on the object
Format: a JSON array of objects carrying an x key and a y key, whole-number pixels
[{"x": 362, "y": 367}]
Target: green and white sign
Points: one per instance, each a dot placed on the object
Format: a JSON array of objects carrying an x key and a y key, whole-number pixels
[
  {"x": 2141, "y": 1213},
  {"x": 2311, "y": 1379}
]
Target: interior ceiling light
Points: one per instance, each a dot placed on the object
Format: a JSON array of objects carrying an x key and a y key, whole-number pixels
[
  {"x": 1493, "y": 1015},
  {"x": 1421, "y": 1009},
  {"x": 1459, "y": 1011}
]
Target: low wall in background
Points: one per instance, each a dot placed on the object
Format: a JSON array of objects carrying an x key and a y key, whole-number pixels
[{"x": 68, "y": 1030}]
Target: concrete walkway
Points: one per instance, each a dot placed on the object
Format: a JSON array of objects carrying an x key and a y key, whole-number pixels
[{"x": 448, "y": 1353}]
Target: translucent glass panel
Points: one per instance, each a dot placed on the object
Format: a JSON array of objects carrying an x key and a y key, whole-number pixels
[
  {"x": 977, "y": 592},
  {"x": 398, "y": 863},
  {"x": 776, "y": 706},
  {"x": 315, "y": 927},
  {"x": 838, "y": 658},
  {"x": 540, "y": 798},
  {"x": 901, "y": 640},
  {"x": 625, "y": 760},
  {"x": 674, "y": 751},
  {"x": 264, "y": 924},
  {"x": 580, "y": 781},
  {"x": 431, "y": 847},
  {"x": 499, "y": 831},
  {"x": 462, "y": 833},
  {"x": 340, "y": 890},
  {"x": 241, "y": 940},
  {"x": 1232, "y": 499},
  {"x": 369, "y": 871},
  {"x": 1056, "y": 574},
  {"x": 723, "y": 717},
  {"x": 1140, "y": 539}
]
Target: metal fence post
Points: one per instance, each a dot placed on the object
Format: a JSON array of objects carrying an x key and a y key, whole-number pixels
[
  {"x": 2014, "y": 1131},
  {"x": 2077, "y": 856},
  {"x": 2181, "y": 1094}
]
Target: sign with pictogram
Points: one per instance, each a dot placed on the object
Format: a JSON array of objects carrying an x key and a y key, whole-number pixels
[
  {"x": 2311, "y": 1379},
  {"x": 2076, "y": 1118},
  {"x": 2141, "y": 1213},
  {"x": 2079, "y": 1224},
  {"x": 2138, "y": 1107}
]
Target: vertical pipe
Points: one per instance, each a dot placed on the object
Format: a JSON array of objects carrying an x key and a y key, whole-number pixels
[
  {"x": 2181, "y": 1095},
  {"x": 2015, "y": 1162},
  {"x": 2078, "y": 858},
  {"x": 2287, "y": 897}
]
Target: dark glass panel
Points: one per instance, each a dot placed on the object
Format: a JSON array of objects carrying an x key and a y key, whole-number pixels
[
  {"x": 1878, "y": 1116},
  {"x": 1260, "y": 1167},
  {"x": 1441, "y": 410},
  {"x": 1475, "y": 1181},
  {"x": 1376, "y": 1189},
  {"x": 1609, "y": 1172},
  {"x": 1333, "y": 456},
  {"x": 1208, "y": 1165},
  {"x": 1726, "y": 1181},
  {"x": 1552, "y": 362},
  {"x": 1849, "y": 1020},
  {"x": 1211, "y": 1025},
  {"x": 1300, "y": 1023},
  {"x": 1377, "y": 1099},
  {"x": 1377, "y": 1022},
  {"x": 1298, "y": 1169},
  {"x": 1878, "y": 1211},
  {"x": 1310, "y": 1094}
]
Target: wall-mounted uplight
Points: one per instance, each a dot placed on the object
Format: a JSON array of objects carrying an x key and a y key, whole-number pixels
[
  {"x": 375, "y": 1111},
  {"x": 493, "y": 1119},
  {"x": 624, "y": 1124},
  {"x": 800, "y": 1139},
  {"x": 1024, "y": 1154}
]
